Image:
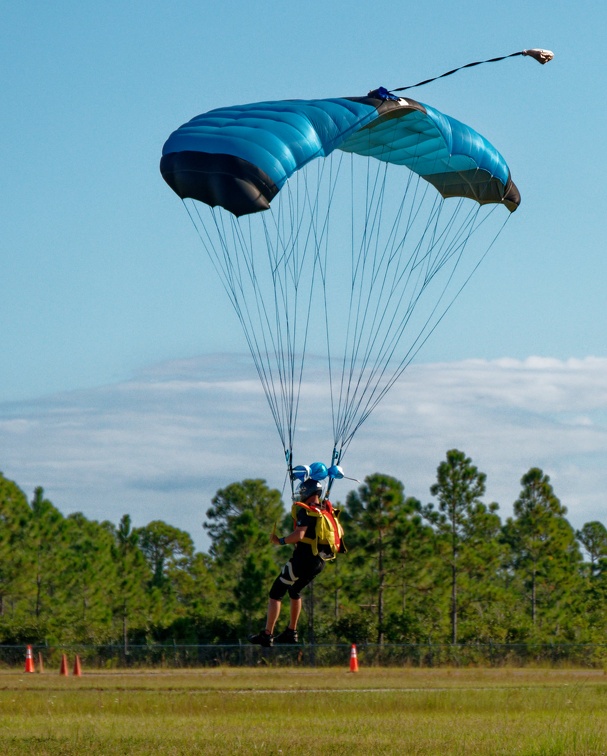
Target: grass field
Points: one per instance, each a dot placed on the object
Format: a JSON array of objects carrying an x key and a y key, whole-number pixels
[{"x": 306, "y": 711}]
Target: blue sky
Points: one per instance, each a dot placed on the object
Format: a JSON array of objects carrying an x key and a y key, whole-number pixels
[{"x": 106, "y": 298}]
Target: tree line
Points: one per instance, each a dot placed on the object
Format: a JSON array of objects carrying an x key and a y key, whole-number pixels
[{"x": 448, "y": 571}]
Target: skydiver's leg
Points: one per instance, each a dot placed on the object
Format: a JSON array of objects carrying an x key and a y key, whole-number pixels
[
  {"x": 273, "y": 614},
  {"x": 296, "y": 574},
  {"x": 277, "y": 591},
  {"x": 295, "y": 612},
  {"x": 307, "y": 570}
]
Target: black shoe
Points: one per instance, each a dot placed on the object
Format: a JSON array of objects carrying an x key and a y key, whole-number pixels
[
  {"x": 287, "y": 636},
  {"x": 262, "y": 639}
]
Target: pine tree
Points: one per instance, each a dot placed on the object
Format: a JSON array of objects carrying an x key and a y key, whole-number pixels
[
  {"x": 545, "y": 556},
  {"x": 385, "y": 532},
  {"x": 459, "y": 488},
  {"x": 593, "y": 537},
  {"x": 48, "y": 538},
  {"x": 239, "y": 523},
  {"x": 88, "y": 576},
  {"x": 168, "y": 552},
  {"x": 15, "y": 561},
  {"x": 129, "y": 598}
]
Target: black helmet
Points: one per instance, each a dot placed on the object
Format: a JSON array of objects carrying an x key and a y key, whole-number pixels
[{"x": 308, "y": 488}]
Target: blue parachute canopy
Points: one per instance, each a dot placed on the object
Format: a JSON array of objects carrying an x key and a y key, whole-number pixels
[
  {"x": 240, "y": 157},
  {"x": 359, "y": 254}
]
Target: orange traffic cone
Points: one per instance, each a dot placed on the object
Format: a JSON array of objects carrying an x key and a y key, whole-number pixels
[
  {"x": 353, "y": 659},
  {"x": 77, "y": 667},
  {"x": 29, "y": 660},
  {"x": 64, "y": 670}
]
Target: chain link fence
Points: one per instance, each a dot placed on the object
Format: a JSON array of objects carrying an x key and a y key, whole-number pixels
[{"x": 174, "y": 656}]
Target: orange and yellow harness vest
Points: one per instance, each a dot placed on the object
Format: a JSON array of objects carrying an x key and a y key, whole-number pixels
[{"x": 328, "y": 529}]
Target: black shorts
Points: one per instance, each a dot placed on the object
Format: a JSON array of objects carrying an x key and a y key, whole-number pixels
[{"x": 300, "y": 570}]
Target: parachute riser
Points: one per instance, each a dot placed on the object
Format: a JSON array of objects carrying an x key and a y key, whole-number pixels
[
  {"x": 289, "y": 461},
  {"x": 335, "y": 457}
]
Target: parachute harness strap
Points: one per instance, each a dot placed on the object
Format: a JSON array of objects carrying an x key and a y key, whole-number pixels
[{"x": 542, "y": 56}]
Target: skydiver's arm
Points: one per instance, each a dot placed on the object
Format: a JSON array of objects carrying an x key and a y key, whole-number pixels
[{"x": 294, "y": 537}]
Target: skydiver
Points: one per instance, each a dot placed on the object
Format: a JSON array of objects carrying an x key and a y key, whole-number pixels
[{"x": 317, "y": 537}]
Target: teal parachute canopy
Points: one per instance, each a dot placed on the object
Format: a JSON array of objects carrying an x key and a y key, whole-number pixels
[
  {"x": 240, "y": 157},
  {"x": 377, "y": 211}
]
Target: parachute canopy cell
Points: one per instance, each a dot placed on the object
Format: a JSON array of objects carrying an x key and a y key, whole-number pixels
[{"x": 240, "y": 157}]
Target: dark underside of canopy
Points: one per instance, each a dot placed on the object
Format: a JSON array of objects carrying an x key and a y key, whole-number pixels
[
  {"x": 229, "y": 181},
  {"x": 474, "y": 184}
]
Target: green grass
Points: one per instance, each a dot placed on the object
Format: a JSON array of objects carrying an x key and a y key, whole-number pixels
[{"x": 306, "y": 711}]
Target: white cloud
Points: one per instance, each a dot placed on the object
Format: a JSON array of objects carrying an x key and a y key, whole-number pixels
[{"x": 159, "y": 446}]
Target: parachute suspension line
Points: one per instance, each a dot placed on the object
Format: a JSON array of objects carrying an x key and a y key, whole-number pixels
[
  {"x": 376, "y": 385},
  {"x": 228, "y": 269},
  {"x": 323, "y": 266},
  {"x": 356, "y": 305},
  {"x": 372, "y": 232},
  {"x": 277, "y": 248},
  {"x": 373, "y": 307},
  {"x": 289, "y": 258},
  {"x": 371, "y": 310},
  {"x": 398, "y": 280},
  {"x": 421, "y": 340},
  {"x": 296, "y": 274},
  {"x": 286, "y": 265},
  {"x": 358, "y": 262},
  {"x": 542, "y": 56},
  {"x": 425, "y": 334},
  {"x": 232, "y": 282},
  {"x": 372, "y": 319},
  {"x": 304, "y": 220},
  {"x": 281, "y": 257},
  {"x": 395, "y": 330},
  {"x": 299, "y": 231},
  {"x": 210, "y": 249},
  {"x": 336, "y": 454},
  {"x": 274, "y": 352},
  {"x": 260, "y": 351},
  {"x": 327, "y": 325},
  {"x": 320, "y": 226},
  {"x": 287, "y": 351},
  {"x": 268, "y": 337}
]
